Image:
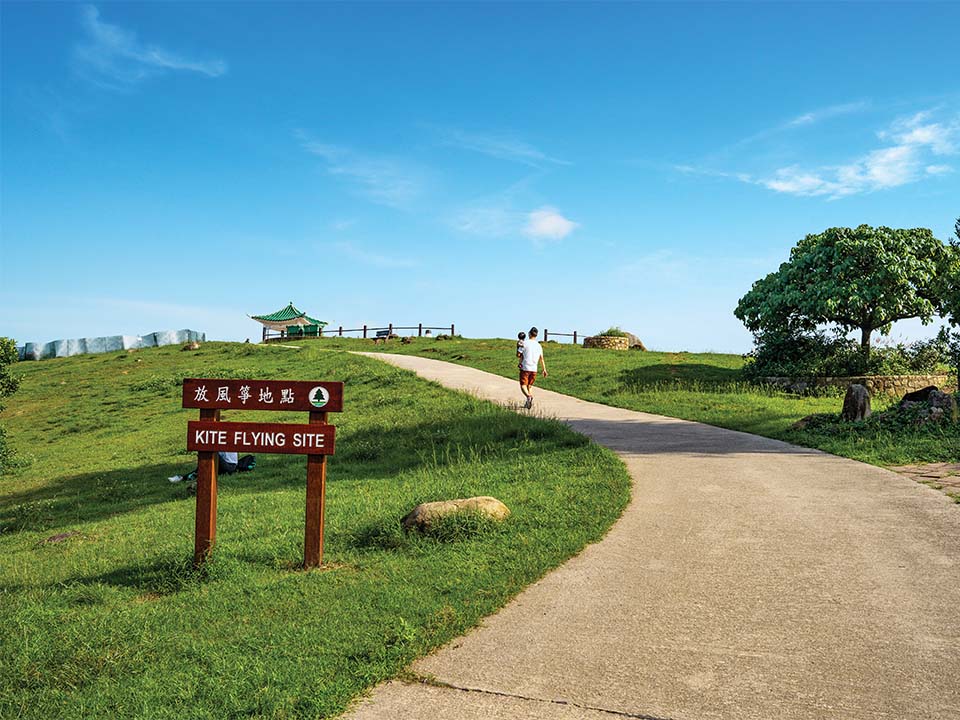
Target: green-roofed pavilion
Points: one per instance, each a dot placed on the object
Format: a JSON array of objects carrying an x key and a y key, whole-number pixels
[{"x": 285, "y": 318}]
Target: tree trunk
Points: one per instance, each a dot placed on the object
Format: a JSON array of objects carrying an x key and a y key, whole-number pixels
[{"x": 865, "y": 333}]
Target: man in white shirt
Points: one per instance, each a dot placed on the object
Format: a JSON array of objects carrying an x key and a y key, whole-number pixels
[{"x": 532, "y": 354}]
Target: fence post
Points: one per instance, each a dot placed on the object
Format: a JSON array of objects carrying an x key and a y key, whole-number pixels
[
  {"x": 341, "y": 331},
  {"x": 364, "y": 332},
  {"x": 452, "y": 333},
  {"x": 389, "y": 329},
  {"x": 420, "y": 330},
  {"x": 546, "y": 335},
  {"x": 574, "y": 337}
]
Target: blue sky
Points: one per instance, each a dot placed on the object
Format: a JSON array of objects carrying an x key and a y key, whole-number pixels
[{"x": 172, "y": 165}]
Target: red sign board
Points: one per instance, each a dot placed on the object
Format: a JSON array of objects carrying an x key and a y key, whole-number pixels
[
  {"x": 263, "y": 395},
  {"x": 245, "y": 437}
]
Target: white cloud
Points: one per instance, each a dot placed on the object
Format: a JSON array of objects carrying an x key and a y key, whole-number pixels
[
  {"x": 113, "y": 57},
  {"x": 901, "y": 163},
  {"x": 547, "y": 224},
  {"x": 498, "y": 146},
  {"x": 383, "y": 180}
]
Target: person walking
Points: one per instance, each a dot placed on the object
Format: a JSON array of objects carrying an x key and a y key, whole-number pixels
[{"x": 532, "y": 355}]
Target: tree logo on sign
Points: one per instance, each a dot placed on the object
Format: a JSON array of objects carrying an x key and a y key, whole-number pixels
[{"x": 319, "y": 397}]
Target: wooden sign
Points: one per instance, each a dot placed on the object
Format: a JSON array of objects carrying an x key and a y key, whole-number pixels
[
  {"x": 283, "y": 438},
  {"x": 209, "y": 436},
  {"x": 210, "y": 394}
]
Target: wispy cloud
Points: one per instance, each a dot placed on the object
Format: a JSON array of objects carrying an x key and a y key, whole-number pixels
[
  {"x": 499, "y": 146},
  {"x": 112, "y": 56},
  {"x": 815, "y": 116},
  {"x": 383, "y": 180},
  {"x": 915, "y": 141},
  {"x": 546, "y": 224},
  {"x": 493, "y": 221},
  {"x": 374, "y": 259},
  {"x": 909, "y": 145}
]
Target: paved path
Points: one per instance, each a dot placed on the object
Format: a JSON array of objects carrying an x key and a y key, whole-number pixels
[{"x": 747, "y": 579}]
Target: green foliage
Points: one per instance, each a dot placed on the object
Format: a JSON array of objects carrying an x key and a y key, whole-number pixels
[
  {"x": 819, "y": 354},
  {"x": 862, "y": 279},
  {"x": 949, "y": 280},
  {"x": 8, "y": 386},
  {"x": 613, "y": 332},
  {"x": 111, "y": 621}
]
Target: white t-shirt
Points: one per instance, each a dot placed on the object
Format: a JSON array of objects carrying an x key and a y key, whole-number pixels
[{"x": 532, "y": 352}]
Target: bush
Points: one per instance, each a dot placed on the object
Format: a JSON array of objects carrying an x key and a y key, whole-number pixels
[
  {"x": 613, "y": 332},
  {"x": 818, "y": 354},
  {"x": 8, "y": 386}
]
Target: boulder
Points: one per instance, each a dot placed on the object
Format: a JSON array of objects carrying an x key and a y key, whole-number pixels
[
  {"x": 635, "y": 343},
  {"x": 856, "y": 403},
  {"x": 921, "y": 395},
  {"x": 423, "y": 515}
]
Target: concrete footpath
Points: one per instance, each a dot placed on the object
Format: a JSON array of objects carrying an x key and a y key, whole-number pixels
[{"x": 747, "y": 579}]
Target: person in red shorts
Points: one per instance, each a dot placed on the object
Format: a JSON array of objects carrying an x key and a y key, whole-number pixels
[{"x": 532, "y": 354}]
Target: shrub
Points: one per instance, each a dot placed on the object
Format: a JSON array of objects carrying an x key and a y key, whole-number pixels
[
  {"x": 8, "y": 386},
  {"x": 613, "y": 332},
  {"x": 818, "y": 354}
]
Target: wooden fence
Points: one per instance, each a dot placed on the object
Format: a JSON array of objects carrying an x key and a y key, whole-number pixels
[
  {"x": 366, "y": 331},
  {"x": 547, "y": 335}
]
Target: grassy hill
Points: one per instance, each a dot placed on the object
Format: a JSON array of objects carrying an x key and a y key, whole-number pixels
[
  {"x": 694, "y": 386},
  {"x": 111, "y": 621}
]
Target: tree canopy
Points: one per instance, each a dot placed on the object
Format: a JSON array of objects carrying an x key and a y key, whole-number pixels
[{"x": 861, "y": 278}]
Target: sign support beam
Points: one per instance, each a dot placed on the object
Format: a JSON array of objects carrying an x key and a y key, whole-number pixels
[
  {"x": 316, "y": 502},
  {"x": 206, "y": 524}
]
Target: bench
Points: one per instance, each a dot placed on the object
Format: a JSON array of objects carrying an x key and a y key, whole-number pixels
[{"x": 381, "y": 337}]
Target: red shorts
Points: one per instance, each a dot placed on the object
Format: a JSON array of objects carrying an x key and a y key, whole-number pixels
[{"x": 528, "y": 377}]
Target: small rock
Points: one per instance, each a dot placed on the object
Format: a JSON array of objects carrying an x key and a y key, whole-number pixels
[
  {"x": 406, "y": 341},
  {"x": 60, "y": 537},
  {"x": 423, "y": 515},
  {"x": 856, "y": 403},
  {"x": 193, "y": 346}
]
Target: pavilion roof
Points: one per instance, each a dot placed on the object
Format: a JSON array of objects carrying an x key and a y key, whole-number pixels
[{"x": 289, "y": 315}]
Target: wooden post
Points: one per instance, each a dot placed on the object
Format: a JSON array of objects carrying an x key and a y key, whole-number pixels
[
  {"x": 546, "y": 335},
  {"x": 420, "y": 330},
  {"x": 341, "y": 331},
  {"x": 316, "y": 490},
  {"x": 390, "y": 330},
  {"x": 205, "y": 532},
  {"x": 364, "y": 332},
  {"x": 574, "y": 337},
  {"x": 452, "y": 331}
]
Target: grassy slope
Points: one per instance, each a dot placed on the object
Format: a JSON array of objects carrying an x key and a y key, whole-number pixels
[
  {"x": 113, "y": 623},
  {"x": 704, "y": 387}
]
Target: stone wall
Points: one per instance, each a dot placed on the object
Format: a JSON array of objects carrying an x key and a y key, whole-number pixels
[
  {"x": 892, "y": 385},
  {"x": 605, "y": 342}
]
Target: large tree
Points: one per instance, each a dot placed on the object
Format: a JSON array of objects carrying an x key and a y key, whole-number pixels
[{"x": 860, "y": 278}]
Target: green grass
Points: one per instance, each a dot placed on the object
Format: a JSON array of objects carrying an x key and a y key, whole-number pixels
[
  {"x": 113, "y": 622},
  {"x": 706, "y": 387}
]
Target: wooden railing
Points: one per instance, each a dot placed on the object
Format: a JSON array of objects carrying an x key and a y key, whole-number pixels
[
  {"x": 547, "y": 335},
  {"x": 366, "y": 331}
]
